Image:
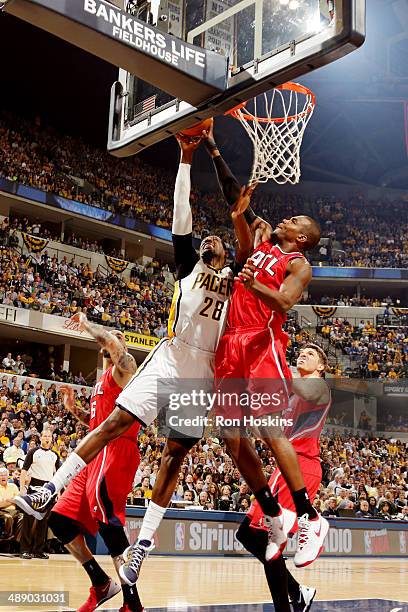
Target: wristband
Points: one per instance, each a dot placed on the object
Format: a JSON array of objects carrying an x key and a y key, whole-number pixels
[{"x": 211, "y": 145}]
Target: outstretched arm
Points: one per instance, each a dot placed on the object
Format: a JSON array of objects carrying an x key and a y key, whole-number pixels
[
  {"x": 182, "y": 228},
  {"x": 69, "y": 404},
  {"x": 231, "y": 190},
  {"x": 122, "y": 360},
  {"x": 242, "y": 231},
  {"x": 297, "y": 279}
]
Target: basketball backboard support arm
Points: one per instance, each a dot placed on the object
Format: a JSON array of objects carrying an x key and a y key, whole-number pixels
[
  {"x": 179, "y": 68},
  {"x": 270, "y": 67}
]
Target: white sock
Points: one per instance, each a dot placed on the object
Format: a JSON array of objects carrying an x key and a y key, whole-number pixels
[
  {"x": 68, "y": 470},
  {"x": 151, "y": 521}
]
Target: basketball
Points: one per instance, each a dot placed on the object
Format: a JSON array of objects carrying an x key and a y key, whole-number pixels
[{"x": 195, "y": 130}]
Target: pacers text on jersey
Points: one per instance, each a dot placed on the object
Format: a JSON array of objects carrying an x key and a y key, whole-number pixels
[{"x": 216, "y": 284}]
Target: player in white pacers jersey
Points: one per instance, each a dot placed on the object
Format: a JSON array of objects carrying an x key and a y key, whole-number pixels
[{"x": 196, "y": 324}]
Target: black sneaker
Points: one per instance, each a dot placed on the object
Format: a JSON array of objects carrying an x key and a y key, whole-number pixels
[
  {"x": 26, "y": 555},
  {"x": 41, "y": 555},
  {"x": 134, "y": 557},
  {"x": 38, "y": 503},
  {"x": 304, "y": 602}
]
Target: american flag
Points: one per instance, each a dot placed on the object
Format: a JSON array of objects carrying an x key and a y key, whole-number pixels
[
  {"x": 148, "y": 104},
  {"x": 143, "y": 107}
]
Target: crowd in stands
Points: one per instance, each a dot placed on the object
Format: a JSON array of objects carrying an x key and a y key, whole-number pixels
[
  {"x": 9, "y": 237},
  {"x": 345, "y": 300},
  {"x": 365, "y": 477},
  {"x": 379, "y": 351},
  {"x": 63, "y": 287},
  {"x": 43, "y": 365},
  {"x": 367, "y": 234},
  {"x": 371, "y": 234}
]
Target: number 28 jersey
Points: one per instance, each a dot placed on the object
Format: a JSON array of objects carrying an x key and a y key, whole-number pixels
[
  {"x": 199, "y": 306},
  {"x": 246, "y": 309}
]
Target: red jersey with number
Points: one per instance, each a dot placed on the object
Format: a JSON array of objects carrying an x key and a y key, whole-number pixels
[
  {"x": 308, "y": 421},
  {"x": 104, "y": 396},
  {"x": 99, "y": 492},
  {"x": 246, "y": 309}
]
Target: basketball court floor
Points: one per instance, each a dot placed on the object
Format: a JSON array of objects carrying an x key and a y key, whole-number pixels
[{"x": 205, "y": 584}]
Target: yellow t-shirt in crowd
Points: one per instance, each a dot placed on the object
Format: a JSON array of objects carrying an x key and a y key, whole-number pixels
[{"x": 8, "y": 492}]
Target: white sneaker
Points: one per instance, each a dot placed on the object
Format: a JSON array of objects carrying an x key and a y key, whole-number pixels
[
  {"x": 278, "y": 529},
  {"x": 133, "y": 558},
  {"x": 305, "y": 600},
  {"x": 310, "y": 539}
]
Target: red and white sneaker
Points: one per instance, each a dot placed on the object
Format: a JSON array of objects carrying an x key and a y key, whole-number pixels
[
  {"x": 99, "y": 594},
  {"x": 312, "y": 533},
  {"x": 125, "y": 608},
  {"x": 278, "y": 529}
]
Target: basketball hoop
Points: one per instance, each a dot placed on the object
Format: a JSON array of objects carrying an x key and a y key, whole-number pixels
[{"x": 277, "y": 136}]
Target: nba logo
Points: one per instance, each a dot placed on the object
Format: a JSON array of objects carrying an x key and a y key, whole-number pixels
[{"x": 179, "y": 536}]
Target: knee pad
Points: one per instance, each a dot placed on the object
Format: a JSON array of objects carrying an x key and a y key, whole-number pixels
[
  {"x": 63, "y": 527},
  {"x": 114, "y": 538}
]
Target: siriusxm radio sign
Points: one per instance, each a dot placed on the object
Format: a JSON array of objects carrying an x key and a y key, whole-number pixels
[{"x": 201, "y": 536}]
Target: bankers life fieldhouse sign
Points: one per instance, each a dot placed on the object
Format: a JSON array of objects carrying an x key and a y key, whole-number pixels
[
  {"x": 181, "y": 69},
  {"x": 141, "y": 36}
]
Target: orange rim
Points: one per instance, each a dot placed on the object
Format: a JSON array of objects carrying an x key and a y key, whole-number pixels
[{"x": 234, "y": 112}]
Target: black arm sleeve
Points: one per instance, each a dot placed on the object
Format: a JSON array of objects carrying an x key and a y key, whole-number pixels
[
  {"x": 28, "y": 461},
  {"x": 229, "y": 184},
  {"x": 185, "y": 256},
  {"x": 250, "y": 216}
]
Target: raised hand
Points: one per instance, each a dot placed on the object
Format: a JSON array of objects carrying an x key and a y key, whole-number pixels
[
  {"x": 188, "y": 146},
  {"x": 209, "y": 141},
  {"x": 247, "y": 274},
  {"x": 243, "y": 200}
]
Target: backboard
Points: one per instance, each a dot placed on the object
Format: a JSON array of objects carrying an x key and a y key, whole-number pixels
[{"x": 266, "y": 43}]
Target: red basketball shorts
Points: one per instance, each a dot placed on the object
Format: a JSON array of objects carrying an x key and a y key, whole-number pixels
[
  {"x": 312, "y": 474},
  {"x": 252, "y": 364},
  {"x": 99, "y": 492}
]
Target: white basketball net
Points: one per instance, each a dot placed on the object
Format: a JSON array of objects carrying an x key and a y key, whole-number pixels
[{"x": 277, "y": 137}]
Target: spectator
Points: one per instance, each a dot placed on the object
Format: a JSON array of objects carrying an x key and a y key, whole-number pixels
[
  {"x": 331, "y": 509},
  {"x": 10, "y": 515},
  {"x": 363, "y": 511},
  {"x": 14, "y": 453},
  {"x": 372, "y": 505},
  {"x": 237, "y": 497},
  {"x": 384, "y": 511}
]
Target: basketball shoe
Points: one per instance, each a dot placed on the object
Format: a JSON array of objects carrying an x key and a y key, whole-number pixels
[
  {"x": 125, "y": 608},
  {"x": 133, "y": 558},
  {"x": 38, "y": 503},
  {"x": 304, "y": 602},
  {"x": 99, "y": 594},
  {"x": 312, "y": 533},
  {"x": 278, "y": 529}
]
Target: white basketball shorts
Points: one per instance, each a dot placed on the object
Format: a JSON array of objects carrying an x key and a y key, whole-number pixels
[{"x": 171, "y": 369}]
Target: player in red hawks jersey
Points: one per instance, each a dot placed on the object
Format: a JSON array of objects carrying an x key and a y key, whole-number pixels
[
  {"x": 308, "y": 409},
  {"x": 95, "y": 500},
  {"x": 251, "y": 356}
]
